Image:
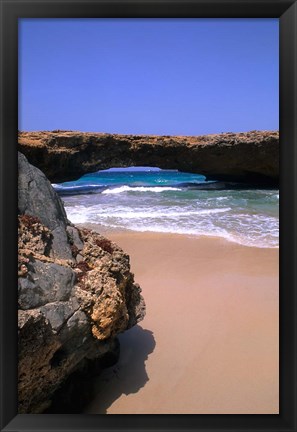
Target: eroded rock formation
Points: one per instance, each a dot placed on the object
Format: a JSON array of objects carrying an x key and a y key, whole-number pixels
[
  {"x": 76, "y": 293},
  {"x": 251, "y": 157}
]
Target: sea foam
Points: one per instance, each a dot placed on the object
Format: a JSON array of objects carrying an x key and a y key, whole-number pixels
[
  {"x": 164, "y": 202},
  {"x": 121, "y": 189}
]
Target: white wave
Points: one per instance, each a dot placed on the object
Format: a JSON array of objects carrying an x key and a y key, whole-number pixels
[
  {"x": 160, "y": 214},
  {"x": 80, "y": 186},
  {"x": 256, "y": 230},
  {"x": 253, "y": 239},
  {"x": 81, "y": 214},
  {"x": 139, "y": 189},
  {"x": 195, "y": 232}
]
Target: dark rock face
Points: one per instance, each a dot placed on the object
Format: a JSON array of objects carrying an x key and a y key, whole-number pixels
[
  {"x": 76, "y": 294},
  {"x": 250, "y": 157},
  {"x": 37, "y": 197}
]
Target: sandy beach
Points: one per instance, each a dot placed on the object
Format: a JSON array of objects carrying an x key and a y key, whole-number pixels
[{"x": 209, "y": 341}]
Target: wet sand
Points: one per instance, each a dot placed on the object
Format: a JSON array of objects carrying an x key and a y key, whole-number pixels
[{"x": 209, "y": 341}]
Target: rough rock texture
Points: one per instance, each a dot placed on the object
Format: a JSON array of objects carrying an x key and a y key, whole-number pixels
[
  {"x": 76, "y": 293},
  {"x": 251, "y": 157},
  {"x": 36, "y": 197}
]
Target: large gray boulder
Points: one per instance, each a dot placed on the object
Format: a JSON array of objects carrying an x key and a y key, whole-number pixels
[
  {"x": 70, "y": 309},
  {"x": 37, "y": 197}
]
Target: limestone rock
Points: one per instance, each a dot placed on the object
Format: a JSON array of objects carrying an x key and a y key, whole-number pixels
[
  {"x": 70, "y": 310},
  {"x": 248, "y": 157}
]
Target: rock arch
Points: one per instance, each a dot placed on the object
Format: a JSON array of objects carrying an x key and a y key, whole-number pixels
[{"x": 248, "y": 157}]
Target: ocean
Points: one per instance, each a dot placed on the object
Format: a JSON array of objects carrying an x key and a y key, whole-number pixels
[{"x": 169, "y": 201}]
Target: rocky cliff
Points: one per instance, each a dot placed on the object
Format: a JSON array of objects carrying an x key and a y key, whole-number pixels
[
  {"x": 76, "y": 293},
  {"x": 251, "y": 157}
]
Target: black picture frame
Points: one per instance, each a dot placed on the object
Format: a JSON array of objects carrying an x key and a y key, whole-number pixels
[{"x": 11, "y": 11}]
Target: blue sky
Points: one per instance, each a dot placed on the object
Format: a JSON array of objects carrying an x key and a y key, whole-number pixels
[{"x": 149, "y": 76}]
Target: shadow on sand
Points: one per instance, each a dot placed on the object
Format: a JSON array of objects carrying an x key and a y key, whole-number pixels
[
  {"x": 128, "y": 375},
  {"x": 85, "y": 393}
]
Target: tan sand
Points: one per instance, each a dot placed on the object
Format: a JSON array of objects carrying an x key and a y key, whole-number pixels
[{"x": 209, "y": 341}]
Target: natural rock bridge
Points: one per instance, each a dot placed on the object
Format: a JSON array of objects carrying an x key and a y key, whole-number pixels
[{"x": 249, "y": 157}]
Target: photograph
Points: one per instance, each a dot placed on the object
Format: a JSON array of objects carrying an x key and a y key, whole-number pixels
[{"x": 148, "y": 215}]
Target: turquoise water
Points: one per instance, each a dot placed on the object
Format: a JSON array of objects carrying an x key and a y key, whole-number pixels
[{"x": 169, "y": 201}]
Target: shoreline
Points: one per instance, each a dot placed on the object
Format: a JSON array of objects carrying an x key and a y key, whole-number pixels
[
  {"x": 209, "y": 341},
  {"x": 110, "y": 232}
]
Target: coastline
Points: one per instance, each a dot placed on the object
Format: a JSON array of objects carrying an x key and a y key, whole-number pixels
[{"x": 209, "y": 341}]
